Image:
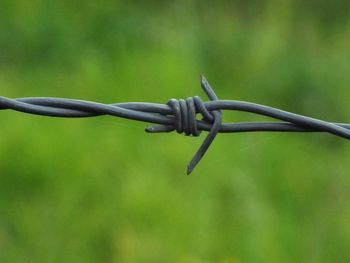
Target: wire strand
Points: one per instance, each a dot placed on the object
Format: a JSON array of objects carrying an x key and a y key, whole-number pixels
[{"x": 180, "y": 115}]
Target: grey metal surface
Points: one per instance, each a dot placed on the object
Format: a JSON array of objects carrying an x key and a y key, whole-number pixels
[{"x": 180, "y": 116}]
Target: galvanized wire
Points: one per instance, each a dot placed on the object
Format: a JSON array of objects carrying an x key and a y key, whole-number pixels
[{"x": 180, "y": 115}]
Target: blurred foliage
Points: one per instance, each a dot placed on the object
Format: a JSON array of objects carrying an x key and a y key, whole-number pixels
[{"x": 100, "y": 190}]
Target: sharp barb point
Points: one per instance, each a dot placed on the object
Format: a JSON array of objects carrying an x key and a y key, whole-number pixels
[
  {"x": 148, "y": 129},
  {"x": 189, "y": 170}
]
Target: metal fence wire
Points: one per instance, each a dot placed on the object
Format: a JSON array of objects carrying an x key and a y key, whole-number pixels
[{"x": 180, "y": 115}]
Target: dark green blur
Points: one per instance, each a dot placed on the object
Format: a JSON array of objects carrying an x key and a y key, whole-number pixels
[{"x": 102, "y": 190}]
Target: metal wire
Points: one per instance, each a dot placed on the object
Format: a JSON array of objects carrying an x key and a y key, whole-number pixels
[{"x": 180, "y": 115}]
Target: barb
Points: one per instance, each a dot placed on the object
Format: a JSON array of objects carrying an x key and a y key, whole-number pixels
[{"x": 180, "y": 115}]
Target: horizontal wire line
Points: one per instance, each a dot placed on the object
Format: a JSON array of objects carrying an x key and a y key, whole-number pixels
[
  {"x": 69, "y": 108},
  {"x": 169, "y": 119}
]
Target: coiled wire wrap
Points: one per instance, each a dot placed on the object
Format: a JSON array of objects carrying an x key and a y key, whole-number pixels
[{"x": 180, "y": 115}]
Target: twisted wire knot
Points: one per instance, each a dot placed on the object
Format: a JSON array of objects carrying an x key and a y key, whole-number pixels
[{"x": 184, "y": 113}]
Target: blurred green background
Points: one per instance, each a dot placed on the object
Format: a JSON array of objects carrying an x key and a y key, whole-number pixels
[{"x": 102, "y": 190}]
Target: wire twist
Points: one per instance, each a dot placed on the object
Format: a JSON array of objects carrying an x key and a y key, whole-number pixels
[{"x": 180, "y": 116}]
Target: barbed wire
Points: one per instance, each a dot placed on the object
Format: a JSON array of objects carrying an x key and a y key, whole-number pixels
[{"x": 180, "y": 115}]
